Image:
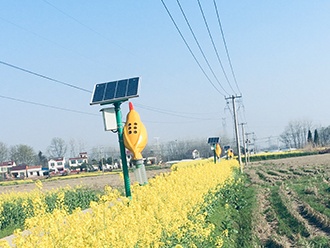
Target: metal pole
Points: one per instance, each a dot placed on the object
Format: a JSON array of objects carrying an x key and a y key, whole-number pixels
[
  {"x": 215, "y": 156},
  {"x": 245, "y": 158},
  {"x": 102, "y": 161},
  {"x": 122, "y": 149},
  {"x": 237, "y": 134}
]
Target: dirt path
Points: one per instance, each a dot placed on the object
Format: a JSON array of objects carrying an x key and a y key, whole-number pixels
[{"x": 96, "y": 182}]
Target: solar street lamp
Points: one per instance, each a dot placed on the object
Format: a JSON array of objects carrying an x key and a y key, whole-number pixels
[
  {"x": 116, "y": 92},
  {"x": 212, "y": 141}
]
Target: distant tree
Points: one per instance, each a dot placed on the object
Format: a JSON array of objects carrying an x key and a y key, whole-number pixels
[
  {"x": 42, "y": 160},
  {"x": 109, "y": 160},
  {"x": 316, "y": 138},
  {"x": 324, "y": 136},
  {"x": 57, "y": 148},
  {"x": 73, "y": 150},
  {"x": 309, "y": 137},
  {"x": 295, "y": 133},
  {"x": 3, "y": 152},
  {"x": 23, "y": 154}
]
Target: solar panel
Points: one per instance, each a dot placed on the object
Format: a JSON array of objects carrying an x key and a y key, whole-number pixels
[
  {"x": 213, "y": 140},
  {"x": 115, "y": 91}
]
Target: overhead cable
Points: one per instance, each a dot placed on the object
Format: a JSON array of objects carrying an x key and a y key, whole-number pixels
[
  {"x": 170, "y": 113},
  {"x": 29, "y": 31},
  {"x": 46, "y": 105},
  {"x": 214, "y": 47},
  {"x": 191, "y": 52},
  {"x": 45, "y": 77},
  {"x": 200, "y": 48},
  {"x": 84, "y": 25},
  {"x": 225, "y": 44}
]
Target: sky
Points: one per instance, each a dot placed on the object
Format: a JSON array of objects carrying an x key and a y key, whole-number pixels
[{"x": 279, "y": 52}]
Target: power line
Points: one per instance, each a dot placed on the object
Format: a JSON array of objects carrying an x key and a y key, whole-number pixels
[
  {"x": 214, "y": 47},
  {"x": 191, "y": 52},
  {"x": 84, "y": 25},
  {"x": 29, "y": 31},
  {"x": 224, "y": 42},
  {"x": 48, "y": 106},
  {"x": 200, "y": 48},
  {"x": 170, "y": 113},
  {"x": 45, "y": 77}
]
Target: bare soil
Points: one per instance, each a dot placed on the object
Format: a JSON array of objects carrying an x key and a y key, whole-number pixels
[
  {"x": 282, "y": 172},
  {"x": 95, "y": 182}
]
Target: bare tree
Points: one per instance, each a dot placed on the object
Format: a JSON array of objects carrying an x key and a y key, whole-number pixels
[
  {"x": 23, "y": 154},
  {"x": 3, "y": 152},
  {"x": 73, "y": 150},
  {"x": 324, "y": 135},
  {"x": 296, "y": 132},
  {"x": 57, "y": 147},
  {"x": 81, "y": 145}
]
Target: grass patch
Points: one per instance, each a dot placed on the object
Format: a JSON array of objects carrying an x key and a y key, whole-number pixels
[
  {"x": 287, "y": 224},
  {"x": 232, "y": 214},
  {"x": 10, "y": 230},
  {"x": 272, "y": 173},
  {"x": 261, "y": 175}
]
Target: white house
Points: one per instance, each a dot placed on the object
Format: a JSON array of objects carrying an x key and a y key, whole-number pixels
[
  {"x": 34, "y": 171},
  {"x": 19, "y": 171},
  {"x": 5, "y": 168},
  {"x": 74, "y": 163},
  {"x": 56, "y": 164}
]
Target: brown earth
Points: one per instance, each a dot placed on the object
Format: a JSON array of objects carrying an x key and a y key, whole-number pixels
[
  {"x": 269, "y": 173},
  {"x": 96, "y": 182}
]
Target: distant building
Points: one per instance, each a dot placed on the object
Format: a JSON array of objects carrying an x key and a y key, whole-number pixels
[
  {"x": 5, "y": 168},
  {"x": 75, "y": 163},
  {"x": 56, "y": 164},
  {"x": 193, "y": 153},
  {"x": 34, "y": 171},
  {"x": 19, "y": 171}
]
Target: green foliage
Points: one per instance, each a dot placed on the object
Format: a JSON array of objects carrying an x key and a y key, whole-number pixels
[
  {"x": 309, "y": 137},
  {"x": 14, "y": 212},
  {"x": 231, "y": 213},
  {"x": 287, "y": 224},
  {"x": 279, "y": 155}
]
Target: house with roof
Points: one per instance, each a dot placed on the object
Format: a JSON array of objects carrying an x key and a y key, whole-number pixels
[
  {"x": 19, "y": 171},
  {"x": 56, "y": 164},
  {"x": 34, "y": 171},
  {"x": 5, "y": 168},
  {"x": 75, "y": 163}
]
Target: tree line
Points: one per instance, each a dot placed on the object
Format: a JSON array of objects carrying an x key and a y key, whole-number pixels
[{"x": 301, "y": 132}]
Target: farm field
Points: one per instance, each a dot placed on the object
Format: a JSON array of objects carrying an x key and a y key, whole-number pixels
[
  {"x": 293, "y": 201},
  {"x": 198, "y": 204},
  {"x": 95, "y": 182}
]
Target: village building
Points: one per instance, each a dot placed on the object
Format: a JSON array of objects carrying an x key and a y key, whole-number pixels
[
  {"x": 34, "y": 171},
  {"x": 75, "y": 163},
  {"x": 56, "y": 164},
  {"x": 19, "y": 171},
  {"x": 5, "y": 168}
]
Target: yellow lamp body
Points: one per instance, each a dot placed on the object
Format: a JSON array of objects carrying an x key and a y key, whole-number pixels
[
  {"x": 218, "y": 150},
  {"x": 134, "y": 134}
]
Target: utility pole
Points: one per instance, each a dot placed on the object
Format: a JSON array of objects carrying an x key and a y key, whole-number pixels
[
  {"x": 102, "y": 160},
  {"x": 248, "y": 142},
  {"x": 245, "y": 158},
  {"x": 236, "y": 130}
]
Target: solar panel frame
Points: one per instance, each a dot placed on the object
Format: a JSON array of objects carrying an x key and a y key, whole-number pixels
[
  {"x": 213, "y": 140},
  {"x": 115, "y": 91}
]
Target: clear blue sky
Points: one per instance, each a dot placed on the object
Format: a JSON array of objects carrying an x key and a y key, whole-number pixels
[{"x": 279, "y": 51}]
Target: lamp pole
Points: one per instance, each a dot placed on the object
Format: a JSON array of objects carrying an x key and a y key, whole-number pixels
[{"x": 122, "y": 148}]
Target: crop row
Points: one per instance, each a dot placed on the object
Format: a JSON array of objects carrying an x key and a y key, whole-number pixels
[
  {"x": 172, "y": 209},
  {"x": 279, "y": 155}
]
